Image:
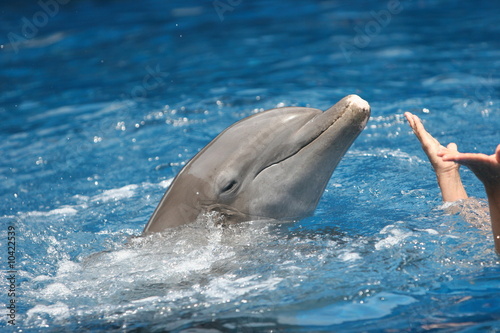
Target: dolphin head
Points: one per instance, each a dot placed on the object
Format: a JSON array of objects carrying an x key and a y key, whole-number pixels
[{"x": 272, "y": 165}]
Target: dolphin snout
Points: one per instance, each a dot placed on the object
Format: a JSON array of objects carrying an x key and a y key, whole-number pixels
[
  {"x": 357, "y": 102},
  {"x": 359, "y": 110}
]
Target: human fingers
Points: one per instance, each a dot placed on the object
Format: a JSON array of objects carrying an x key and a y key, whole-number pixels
[
  {"x": 409, "y": 117},
  {"x": 452, "y": 147},
  {"x": 415, "y": 124},
  {"x": 462, "y": 158},
  {"x": 447, "y": 153}
]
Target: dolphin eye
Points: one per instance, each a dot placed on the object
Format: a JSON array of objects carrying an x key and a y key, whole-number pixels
[{"x": 230, "y": 186}]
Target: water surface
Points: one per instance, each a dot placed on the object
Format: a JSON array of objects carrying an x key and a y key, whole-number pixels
[{"x": 105, "y": 102}]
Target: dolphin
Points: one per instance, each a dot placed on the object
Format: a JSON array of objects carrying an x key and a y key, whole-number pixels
[{"x": 273, "y": 165}]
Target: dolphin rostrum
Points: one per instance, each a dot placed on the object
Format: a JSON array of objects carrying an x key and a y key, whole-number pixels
[{"x": 271, "y": 165}]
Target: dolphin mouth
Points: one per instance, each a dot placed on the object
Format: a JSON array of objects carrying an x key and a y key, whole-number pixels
[
  {"x": 351, "y": 106},
  {"x": 225, "y": 214}
]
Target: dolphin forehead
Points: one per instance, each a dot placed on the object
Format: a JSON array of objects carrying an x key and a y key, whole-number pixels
[{"x": 250, "y": 142}]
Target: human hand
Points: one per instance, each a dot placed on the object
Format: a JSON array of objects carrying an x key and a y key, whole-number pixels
[
  {"x": 431, "y": 147},
  {"x": 485, "y": 167},
  {"x": 447, "y": 173}
]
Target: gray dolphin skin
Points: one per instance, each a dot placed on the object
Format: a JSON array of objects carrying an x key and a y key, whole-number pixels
[{"x": 273, "y": 165}]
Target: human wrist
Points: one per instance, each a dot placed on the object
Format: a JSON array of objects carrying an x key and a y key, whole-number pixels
[
  {"x": 449, "y": 177},
  {"x": 451, "y": 185}
]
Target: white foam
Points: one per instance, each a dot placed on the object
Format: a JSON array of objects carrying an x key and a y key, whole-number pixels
[
  {"x": 166, "y": 183},
  {"x": 447, "y": 205},
  {"x": 56, "y": 290},
  {"x": 116, "y": 194},
  {"x": 163, "y": 184},
  {"x": 59, "y": 311},
  {"x": 123, "y": 255},
  {"x": 64, "y": 210},
  {"x": 151, "y": 299},
  {"x": 41, "y": 278},
  {"x": 225, "y": 288},
  {"x": 81, "y": 198},
  {"x": 429, "y": 231},
  {"x": 67, "y": 266},
  {"x": 349, "y": 256},
  {"x": 395, "y": 237}
]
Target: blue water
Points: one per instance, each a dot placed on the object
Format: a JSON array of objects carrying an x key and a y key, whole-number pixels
[{"x": 103, "y": 102}]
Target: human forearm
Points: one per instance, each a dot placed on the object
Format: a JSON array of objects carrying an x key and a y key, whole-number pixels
[
  {"x": 493, "y": 194},
  {"x": 451, "y": 186}
]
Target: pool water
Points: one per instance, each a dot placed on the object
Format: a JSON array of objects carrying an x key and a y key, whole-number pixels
[{"x": 103, "y": 102}]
